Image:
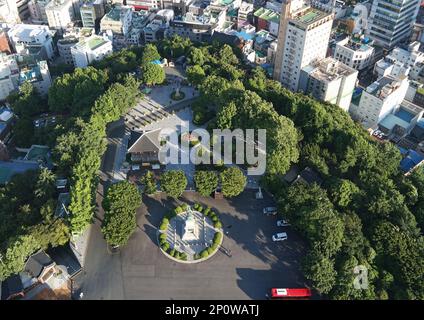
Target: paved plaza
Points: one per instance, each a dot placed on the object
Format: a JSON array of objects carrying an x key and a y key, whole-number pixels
[{"x": 141, "y": 271}]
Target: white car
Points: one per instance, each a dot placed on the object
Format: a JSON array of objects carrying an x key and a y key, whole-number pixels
[
  {"x": 283, "y": 223},
  {"x": 279, "y": 236}
]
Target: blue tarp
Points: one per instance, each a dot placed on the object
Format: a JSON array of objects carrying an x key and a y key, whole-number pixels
[{"x": 411, "y": 161}]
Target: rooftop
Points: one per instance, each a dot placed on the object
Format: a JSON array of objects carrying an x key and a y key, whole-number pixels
[
  {"x": 267, "y": 14},
  {"x": 9, "y": 168},
  {"x": 330, "y": 69},
  {"x": 310, "y": 15},
  {"x": 384, "y": 86}
]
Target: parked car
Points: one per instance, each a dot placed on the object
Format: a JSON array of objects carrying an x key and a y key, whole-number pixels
[
  {"x": 279, "y": 236},
  {"x": 283, "y": 223},
  {"x": 270, "y": 211}
]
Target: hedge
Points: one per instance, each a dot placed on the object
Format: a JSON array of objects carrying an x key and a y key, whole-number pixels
[
  {"x": 165, "y": 246},
  {"x": 217, "y": 238},
  {"x": 204, "y": 253},
  {"x": 218, "y": 224}
]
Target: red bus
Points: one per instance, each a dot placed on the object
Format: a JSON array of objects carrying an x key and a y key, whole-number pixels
[{"x": 298, "y": 293}]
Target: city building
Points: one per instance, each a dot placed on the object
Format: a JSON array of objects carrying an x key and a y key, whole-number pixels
[
  {"x": 8, "y": 75},
  {"x": 9, "y": 12},
  {"x": 408, "y": 62},
  {"x": 148, "y": 5},
  {"x": 16, "y": 69},
  {"x": 267, "y": 19},
  {"x": 4, "y": 42},
  {"x": 198, "y": 28},
  {"x": 91, "y": 49},
  {"x": 245, "y": 14},
  {"x": 391, "y": 22},
  {"x": 155, "y": 29},
  {"x": 117, "y": 20},
  {"x": 357, "y": 53},
  {"x": 60, "y": 14},
  {"x": 70, "y": 38},
  {"x": 379, "y": 99},
  {"x": 37, "y": 10},
  {"x": 88, "y": 15},
  {"x": 23, "y": 9},
  {"x": 329, "y": 80},
  {"x": 303, "y": 37},
  {"x": 357, "y": 21},
  {"x": 7, "y": 119},
  {"x": 32, "y": 39}
]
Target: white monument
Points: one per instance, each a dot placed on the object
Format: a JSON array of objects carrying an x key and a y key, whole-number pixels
[{"x": 189, "y": 230}]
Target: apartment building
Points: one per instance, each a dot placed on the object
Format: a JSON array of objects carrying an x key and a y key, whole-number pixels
[
  {"x": 31, "y": 38},
  {"x": 91, "y": 49},
  {"x": 60, "y": 14},
  {"x": 303, "y": 37},
  {"x": 354, "y": 52},
  {"x": 379, "y": 99},
  {"x": 329, "y": 80}
]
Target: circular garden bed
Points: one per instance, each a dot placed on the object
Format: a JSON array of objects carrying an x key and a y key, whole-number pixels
[
  {"x": 206, "y": 238},
  {"x": 178, "y": 97}
]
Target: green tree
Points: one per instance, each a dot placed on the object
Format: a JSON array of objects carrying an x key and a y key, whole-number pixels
[
  {"x": 150, "y": 53},
  {"x": 195, "y": 74},
  {"x": 153, "y": 74},
  {"x": 233, "y": 181},
  {"x": 120, "y": 204},
  {"x": 149, "y": 182},
  {"x": 173, "y": 182},
  {"x": 196, "y": 57},
  {"x": 320, "y": 270},
  {"x": 206, "y": 182}
]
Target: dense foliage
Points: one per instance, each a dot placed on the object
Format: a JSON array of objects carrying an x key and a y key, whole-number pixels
[
  {"x": 120, "y": 204},
  {"x": 233, "y": 181},
  {"x": 28, "y": 222},
  {"x": 173, "y": 182},
  {"x": 206, "y": 182}
]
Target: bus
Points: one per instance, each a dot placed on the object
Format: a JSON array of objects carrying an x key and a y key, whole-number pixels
[{"x": 297, "y": 293}]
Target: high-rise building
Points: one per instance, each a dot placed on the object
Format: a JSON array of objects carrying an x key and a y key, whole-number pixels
[
  {"x": 391, "y": 21},
  {"x": 9, "y": 11},
  {"x": 303, "y": 37},
  {"x": 88, "y": 15}
]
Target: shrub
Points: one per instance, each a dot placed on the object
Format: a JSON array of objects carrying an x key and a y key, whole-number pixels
[
  {"x": 206, "y": 211},
  {"x": 165, "y": 246},
  {"x": 162, "y": 236},
  {"x": 176, "y": 254},
  {"x": 210, "y": 250},
  {"x": 196, "y": 206},
  {"x": 196, "y": 256},
  {"x": 163, "y": 226},
  {"x": 178, "y": 210},
  {"x": 204, "y": 253},
  {"x": 172, "y": 252},
  {"x": 183, "y": 256},
  {"x": 217, "y": 238},
  {"x": 184, "y": 206},
  {"x": 214, "y": 218},
  {"x": 218, "y": 224},
  {"x": 200, "y": 209}
]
